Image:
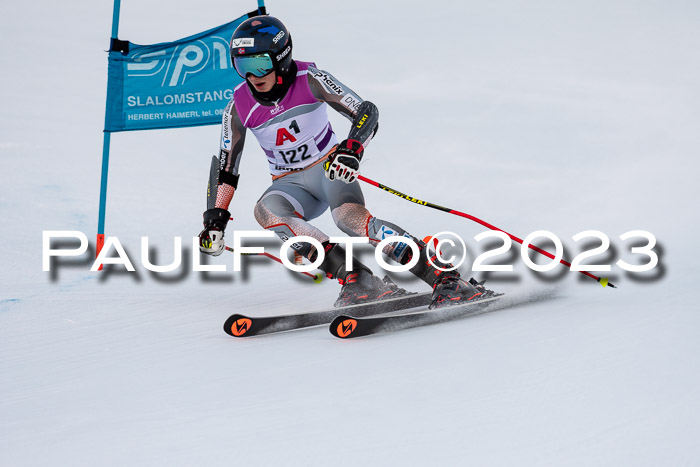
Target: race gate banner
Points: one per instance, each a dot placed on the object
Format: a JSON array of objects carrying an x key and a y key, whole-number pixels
[{"x": 174, "y": 84}]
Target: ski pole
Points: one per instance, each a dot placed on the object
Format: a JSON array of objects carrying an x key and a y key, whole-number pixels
[
  {"x": 602, "y": 280},
  {"x": 317, "y": 278}
]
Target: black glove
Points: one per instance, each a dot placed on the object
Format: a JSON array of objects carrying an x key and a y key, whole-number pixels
[
  {"x": 211, "y": 239},
  {"x": 344, "y": 163}
]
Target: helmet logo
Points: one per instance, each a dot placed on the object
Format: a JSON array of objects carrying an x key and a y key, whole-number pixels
[
  {"x": 269, "y": 30},
  {"x": 285, "y": 53},
  {"x": 278, "y": 37},
  {"x": 243, "y": 42},
  {"x": 241, "y": 51}
]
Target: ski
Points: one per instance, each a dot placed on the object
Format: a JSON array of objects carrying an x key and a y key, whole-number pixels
[
  {"x": 348, "y": 326},
  {"x": 238, "y": 325}
]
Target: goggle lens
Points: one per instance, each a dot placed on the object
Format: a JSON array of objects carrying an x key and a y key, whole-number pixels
[{"x": 257, "y": 65}]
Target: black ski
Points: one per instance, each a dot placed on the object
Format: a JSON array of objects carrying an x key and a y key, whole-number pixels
[
  {"x": 347, "y": 326},
  {"x": 238, "y": 325}
]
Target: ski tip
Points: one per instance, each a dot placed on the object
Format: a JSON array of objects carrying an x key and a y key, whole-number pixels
[
  {"x": 343, "y": 326},
  {"x": 237, "y": 325}
]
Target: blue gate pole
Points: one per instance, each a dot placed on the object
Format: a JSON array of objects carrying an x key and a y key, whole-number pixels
[{"x": 105, "y": 149}]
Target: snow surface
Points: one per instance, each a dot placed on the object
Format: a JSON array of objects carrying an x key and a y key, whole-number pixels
[{"x": 564, "y": 116}]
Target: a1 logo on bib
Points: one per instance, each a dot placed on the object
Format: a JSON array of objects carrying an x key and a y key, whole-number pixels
[{"x": 283, "y": 135}]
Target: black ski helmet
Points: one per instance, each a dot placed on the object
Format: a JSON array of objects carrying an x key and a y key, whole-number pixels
[{"x": 259, "y": 38}]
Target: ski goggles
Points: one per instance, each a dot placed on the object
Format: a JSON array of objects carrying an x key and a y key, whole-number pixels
[{"x": 257, "y": 65}]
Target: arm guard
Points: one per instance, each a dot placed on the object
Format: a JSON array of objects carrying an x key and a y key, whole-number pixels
[{"x": 365, "y": 124}]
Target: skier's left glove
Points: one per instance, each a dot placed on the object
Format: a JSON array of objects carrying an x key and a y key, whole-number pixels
[
  {"x": 344, "y": 163},
  {"x": 211, "y": 239}
]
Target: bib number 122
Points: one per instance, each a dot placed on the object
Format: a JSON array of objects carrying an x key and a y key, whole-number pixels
[{"x": 292, "y": 156}]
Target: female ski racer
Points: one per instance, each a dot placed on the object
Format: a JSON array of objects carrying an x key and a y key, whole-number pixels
[{"x": 283, "y": 102}]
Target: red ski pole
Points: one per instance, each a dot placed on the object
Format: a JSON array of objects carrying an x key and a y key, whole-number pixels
[{"x": 602, "y": 280}]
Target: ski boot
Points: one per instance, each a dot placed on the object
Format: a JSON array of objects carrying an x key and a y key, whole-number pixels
[
  {"x": 448, "y": 286},
  {"x": 451, "y": 289},
  {"x": 359, "y": 285},
  {"x": 363, "y": 287}
]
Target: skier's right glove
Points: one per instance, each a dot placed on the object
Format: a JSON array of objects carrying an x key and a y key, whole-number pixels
[{"x": 211, "y": 239}]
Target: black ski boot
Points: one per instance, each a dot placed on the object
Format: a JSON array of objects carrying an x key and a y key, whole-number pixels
[
  {"x": 448, "y": 286},
  {"x": 359, "y": 285},
  {"x": 363, "y": 287},
  {"x": 451, "y": 289}
]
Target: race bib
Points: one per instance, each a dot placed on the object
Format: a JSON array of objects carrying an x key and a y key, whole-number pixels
[{"x": 297, "y": 157}]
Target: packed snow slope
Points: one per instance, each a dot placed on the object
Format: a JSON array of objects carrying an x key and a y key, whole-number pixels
[{"x": 544, "y": 115}]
